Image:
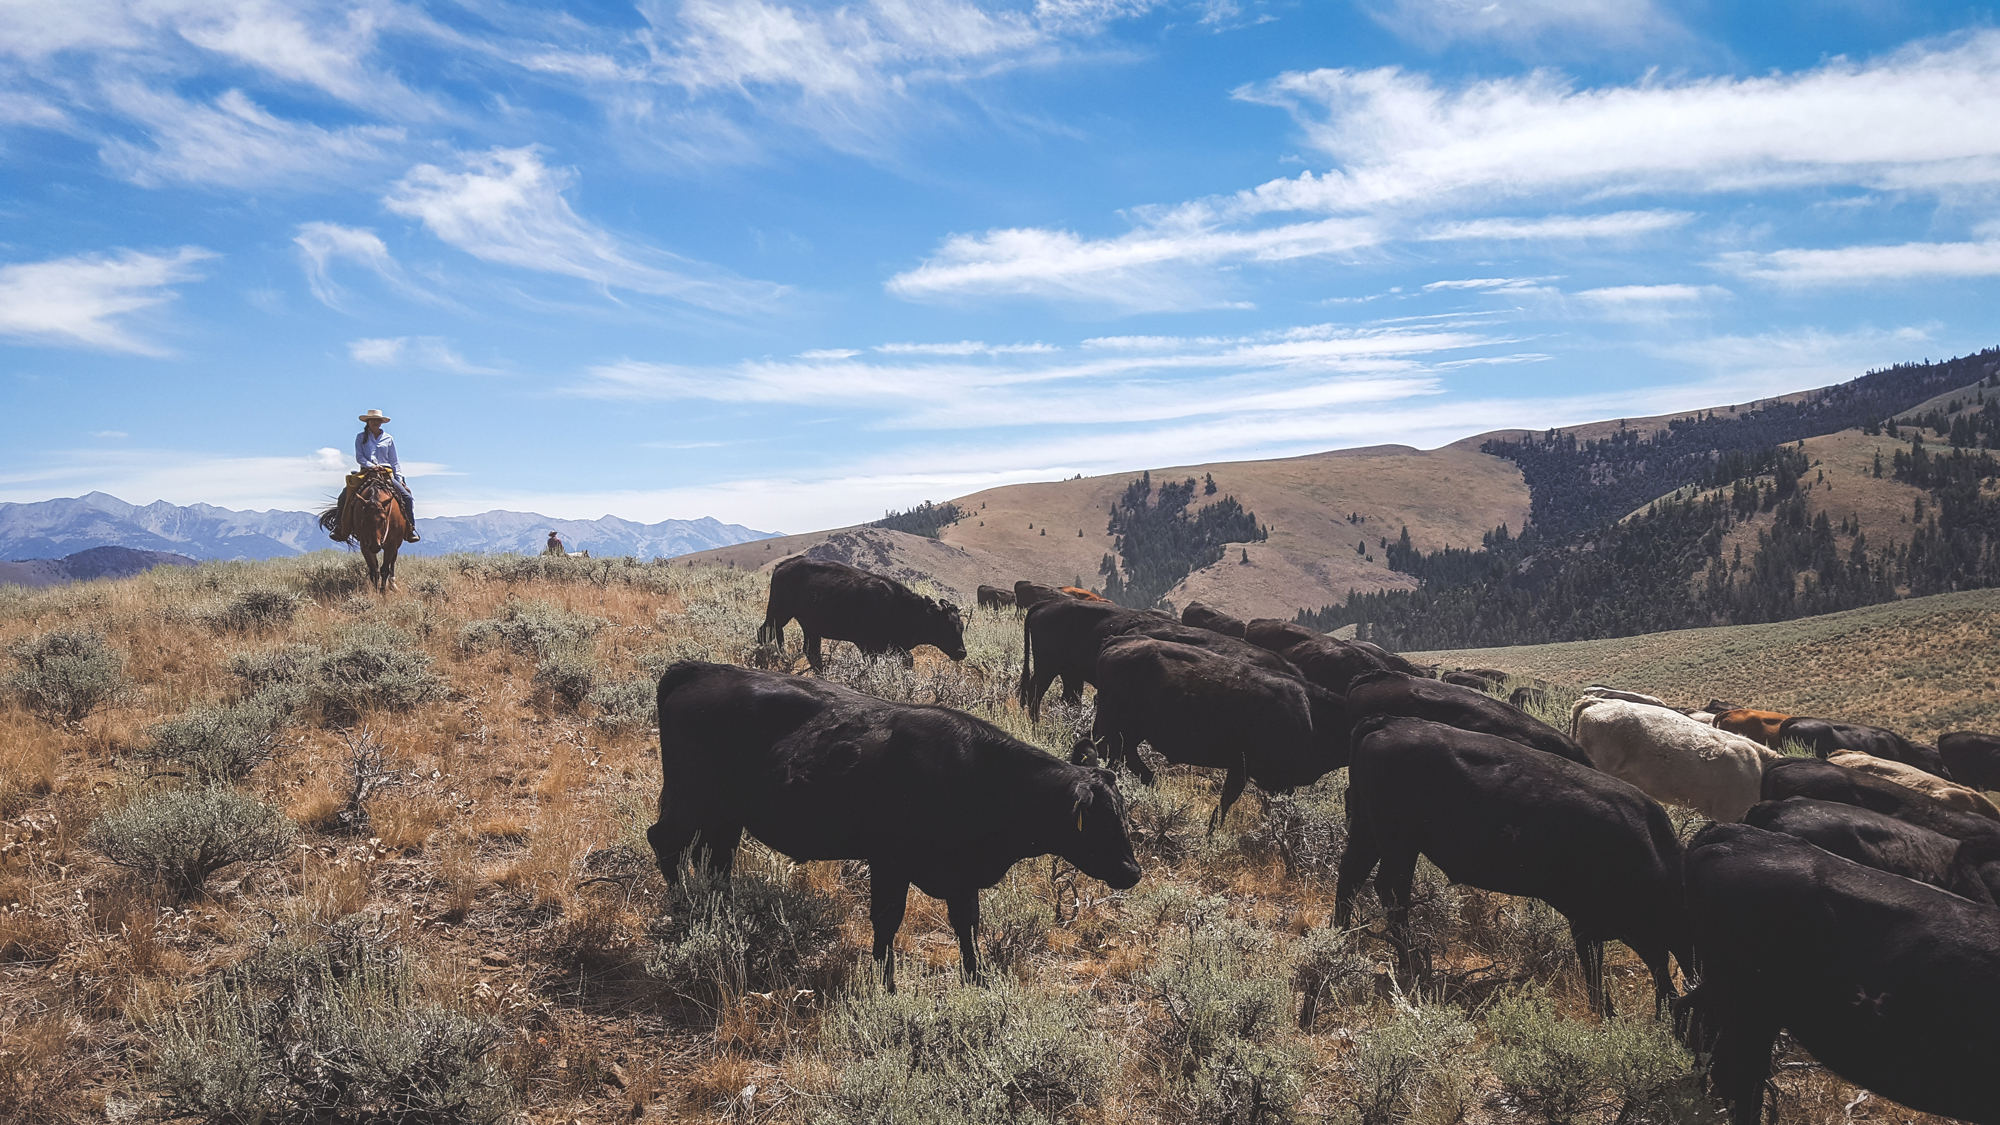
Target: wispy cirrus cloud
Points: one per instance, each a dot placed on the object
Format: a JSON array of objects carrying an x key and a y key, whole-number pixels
[
  {"x": 1849, "y": 265},
  {"x": 430, "y": 353},
  {"x": 321, "y": 244},
  {"x": 86, "y": 300},
  {"x": 1415, "y": 160},
  {"x": 233, "y": 142},
  {"x": 1524, "y": 23},
  {"x": 506, "y": 206}
]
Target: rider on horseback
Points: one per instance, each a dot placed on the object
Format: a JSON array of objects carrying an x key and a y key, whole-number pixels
[{"x": 375, "y": 449}]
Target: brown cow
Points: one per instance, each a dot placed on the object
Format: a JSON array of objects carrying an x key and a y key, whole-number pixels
[
  {"x": 1028, "y": 594},
  {"x": 1081, "y": 594},
  {"x": 1757, "y": 726},
  {"x": 993, "y": 597}
]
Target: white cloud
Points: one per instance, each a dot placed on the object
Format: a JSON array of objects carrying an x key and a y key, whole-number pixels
[
  {"x": 425, "y": 352},
  {"x": 829, "y": 353},
  {"x": 1618, "y": 224},
  {"x": 1491, "y": 284},
  {"x": 1144, "y": 270},
  {"x": 232, "y": 142},
  {"x": 965, "y": 347},
  {"x": 1641, "y": 303},
  {"x": 1858, "y": 264},
  {"x": 1925, "y": 118},
  {"x": 505, "y": 206},
  {"x": 1120, "y": 381},
  {"x": 82, "y": 301},
  {"x": 284, "y": 40},
  {"x": 321, "y": 244}
]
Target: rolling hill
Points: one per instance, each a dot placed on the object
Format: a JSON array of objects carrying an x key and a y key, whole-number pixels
[{"x": 1331, "y": 516}]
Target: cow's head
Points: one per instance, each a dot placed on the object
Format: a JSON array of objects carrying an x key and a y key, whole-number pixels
[
  {"x": 1095, "y": 839},
  {"x": 947, "y": 629}
]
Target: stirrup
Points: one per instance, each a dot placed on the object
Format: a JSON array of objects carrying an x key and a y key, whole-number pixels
[{"x": 412, "y": 537}]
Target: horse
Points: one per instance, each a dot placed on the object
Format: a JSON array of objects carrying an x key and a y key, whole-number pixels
[{"x": 375, "y": 520}]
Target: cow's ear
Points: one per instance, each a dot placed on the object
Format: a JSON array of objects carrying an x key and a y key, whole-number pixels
[{"x": 948, "y": 607}]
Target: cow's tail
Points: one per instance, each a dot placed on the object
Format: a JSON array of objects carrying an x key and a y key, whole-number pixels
[{"x": 1027, "y": 661}]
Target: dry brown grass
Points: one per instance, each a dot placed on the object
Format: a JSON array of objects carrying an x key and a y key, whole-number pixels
[{"x": 495, "y": 866}]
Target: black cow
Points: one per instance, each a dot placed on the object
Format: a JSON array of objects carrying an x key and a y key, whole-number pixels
[
  {"x": 926, "y": 795},
  {"x": 839, "y": 602},
  {"x": 1203, "y": 708},
  {"x": 1324, "y": 660},
  {"x": 993, "y": 597},
  {"x": 1397, "y": 693},
  {"x": 1221, "y": 644},
  {"x": 1890, "y": 984},
  {"x": 1973, "y": 758},
  {"x": 1061, "y": 636},
  {"x": 1875, "y": 840},
  {"x": 1214, "y": 620},
  {"x": 1826, "y": 736},
  {"x": 1028, "y": 594},
  {"x": 1494, "y": 814},
  {"x": 1810, "y": 777}
]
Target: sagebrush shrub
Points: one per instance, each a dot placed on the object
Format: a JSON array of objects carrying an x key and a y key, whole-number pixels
[
  {"x": 66, "y": 675},
  {"x": 254, "y": 608},
  {"x": 1585, "y": 1072},
  {"x": 218, "y": 744},
  {"x": 1307, "y": 827},
  {"x": 182, "y": 836},
  {"x": 1412, "y": 1069},
  {"x": 537, "y": 629},
  {"x": 303, "y": 1035},
  {"x": 940, "y": 1052},
  {"x": 626, "y": 704},
  {"x": 567, "y": 678},
  {"x": 1328, "y": 968},
  {"x": 717, "y": 938},
  {"x": 1164, "y": 823},
  {"x": 1013, "y": 925},
  {"x": 374, "y": 666},
  {"x": 1223, "y": 1050}
]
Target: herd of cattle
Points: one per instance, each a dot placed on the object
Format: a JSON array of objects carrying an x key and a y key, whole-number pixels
[{"x": 1848, "y": 897}]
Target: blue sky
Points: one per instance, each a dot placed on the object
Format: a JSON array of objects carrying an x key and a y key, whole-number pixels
[{"x": 792, "y": 264}]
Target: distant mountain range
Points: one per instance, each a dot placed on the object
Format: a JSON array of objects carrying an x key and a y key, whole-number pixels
[{"x": 51, "y": 529}]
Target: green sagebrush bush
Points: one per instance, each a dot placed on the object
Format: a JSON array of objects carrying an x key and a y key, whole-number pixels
[
  {"x": 718, "y": 937},
  {"x": 1165, "y": 822},
  {"x": 182, "y": 836},
  {"x": 1224, "y": 1050},
  {"x": 1412, "y": 1068},
  {"x": 66, "y": 675},
  {"x": 1328, "y": 968},
  {"x": 372, "y": 667},
  {"x": 300, "y": 1035},
  {"x": 1013, "y": 925},
  {"x": 537, "y": 629},
  {"x": 217, "y": 745},
  {"x": 1587, "y": 1072},
  {"x": 1307, "y": 828},
  {"x": 626, "y": 704},
  {"x": 944, "y": 1053},
  {"x": 566, "y": 678},
  {"x": 253, "y": 608}
]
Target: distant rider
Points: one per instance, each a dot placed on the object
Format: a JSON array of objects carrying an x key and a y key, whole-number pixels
[
  {"x": 374, "y": 447},
  {"x": 555, "y": 546}
]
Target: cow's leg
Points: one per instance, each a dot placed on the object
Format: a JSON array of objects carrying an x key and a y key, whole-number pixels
[
  {"x": 1392, "y": 886},
  {"x": 721, "y": 841},
  {"x": 1741, "y": 1064},
  {"x": 962, "y": 907},
  {"x": 1590, "y": 956},
  {"x": 813, "y": 656},
  {"x": 1072, "y": 689},
  {"x": 1357, "y": 862},
  {"x": 1036, "y": 687},
  {"x": 1654, "y": 954},
  {"x": 1232, "y": 787},
  {"x": 669, "y": 840},
  {"x": 888, "y": 897}
]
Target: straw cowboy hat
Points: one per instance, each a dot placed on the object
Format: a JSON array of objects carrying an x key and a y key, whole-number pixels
[{"x": 375, "y": 416}]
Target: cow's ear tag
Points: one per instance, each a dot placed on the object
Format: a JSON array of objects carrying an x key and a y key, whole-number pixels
[{"x": 1079, "y": 819}]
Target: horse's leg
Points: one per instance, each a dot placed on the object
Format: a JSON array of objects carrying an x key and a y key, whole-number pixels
[
  {"x": 389, "y": 550},
  {"x": 368, "y": 552}
]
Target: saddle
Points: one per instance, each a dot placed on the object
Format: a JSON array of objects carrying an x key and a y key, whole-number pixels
[{"x": 344, "y": 523}]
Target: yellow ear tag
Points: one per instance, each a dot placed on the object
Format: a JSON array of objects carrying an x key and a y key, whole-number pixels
[{"x": 1079, "y": 820}]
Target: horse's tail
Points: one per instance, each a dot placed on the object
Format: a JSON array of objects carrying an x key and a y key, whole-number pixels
[
  {"x": 329, "y": 520},
  {"x": 1027, "y": 662}
]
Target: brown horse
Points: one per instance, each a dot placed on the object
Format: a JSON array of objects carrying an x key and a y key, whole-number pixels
[{"x": 374, "y": 521}]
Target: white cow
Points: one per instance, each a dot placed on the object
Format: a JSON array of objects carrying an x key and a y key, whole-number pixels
[
  {"x": 1599, "y": 691},
  {"x": 1929, "y": 784},
  {"x": 1670, "y": 756}
]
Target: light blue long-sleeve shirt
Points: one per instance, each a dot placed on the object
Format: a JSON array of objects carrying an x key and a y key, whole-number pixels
[{"x": 376, "y": 450}]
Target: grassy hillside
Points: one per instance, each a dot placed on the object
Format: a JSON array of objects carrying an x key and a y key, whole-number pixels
[
  {"x": 1445, "y": 496},
  {"x": 1922, "y": 666},
  {"x": 495, "y": 914}
]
